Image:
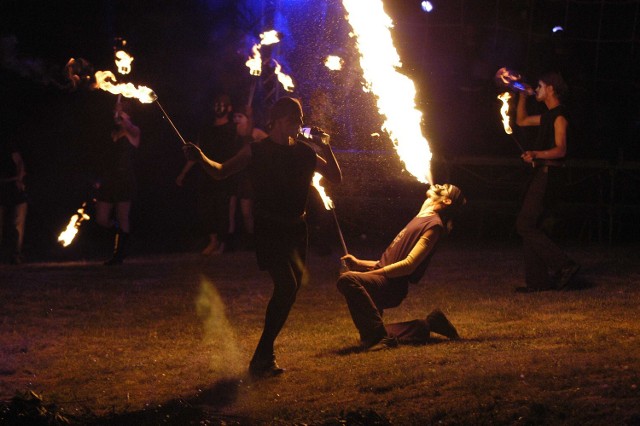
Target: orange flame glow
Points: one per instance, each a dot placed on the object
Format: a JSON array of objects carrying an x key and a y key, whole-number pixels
[
  {"x": 105, "y": 80},
  {"x": 67, "y": 236},
  {"x": 328, "y": 203},
  {"x": 123, "y": 62},
  {"x": 504, "y": 111},
  {"x": 395, "y": 93},
  {"x": 284, "y": 79},
  {"x": 255, "y": 62}
]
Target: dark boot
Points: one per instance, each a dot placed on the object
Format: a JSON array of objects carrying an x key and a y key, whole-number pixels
[
  {"x": 120, "y": 243},
  {"x": 438, "y": 323}
]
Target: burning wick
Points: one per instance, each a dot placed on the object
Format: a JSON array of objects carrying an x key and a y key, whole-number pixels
[
  {"x": 328, "y": 204},
  {"x": 333, "y": 62},
  {"x": 67, "y": 236}
]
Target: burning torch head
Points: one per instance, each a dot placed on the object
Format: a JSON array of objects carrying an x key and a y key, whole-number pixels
[{"x": 506, "y": 78}]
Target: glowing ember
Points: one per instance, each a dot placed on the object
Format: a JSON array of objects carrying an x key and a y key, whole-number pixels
[
  {"x": 328, "y": 203},
  {"x": 67, "y": 236},
  {"x": 395, "y": 93},
  {"x": 284, "y": 79},
  {"x": 334, "y": 63},
  {"x": 123, "y": 62},
  {"x": 105, "y": 80},
  {"x": 504, "y": 111}
]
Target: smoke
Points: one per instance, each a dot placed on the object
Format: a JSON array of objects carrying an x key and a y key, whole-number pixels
[
  {"x": 218, "y": 333},
  {"x": 74, "y": 75}
]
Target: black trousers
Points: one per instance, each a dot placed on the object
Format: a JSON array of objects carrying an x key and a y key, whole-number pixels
[{"x": 541, "y": 254}]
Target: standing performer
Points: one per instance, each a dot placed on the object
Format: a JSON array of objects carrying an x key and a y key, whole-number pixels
[
  {"x": 117, "y": 187},
  {"x": 543, "y": 256},
  {"x": 281, "y": 171},
  {"x": 373, "y": 286},
  {"x": 243, "y": 194},
  {"x": 217, "y": 139},
  {"x": 13, "y": 199}
]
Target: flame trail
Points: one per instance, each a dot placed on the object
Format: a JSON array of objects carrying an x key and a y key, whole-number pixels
[
  {"x": 105, "y": 80},
  {"x": 66, "y": 237},
  {"x": 395, "y": 93}
]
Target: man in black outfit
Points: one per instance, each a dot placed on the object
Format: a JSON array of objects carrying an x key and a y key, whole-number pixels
[
  {"x": 281, "y": 169},
  {"x": 383, "y": 284},
  {"x": 547, "y": 267}
]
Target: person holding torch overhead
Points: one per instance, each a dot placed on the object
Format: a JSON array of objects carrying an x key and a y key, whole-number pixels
[
  {"x": 547, "y": 267},
  {"x": 281, "y": 169}
]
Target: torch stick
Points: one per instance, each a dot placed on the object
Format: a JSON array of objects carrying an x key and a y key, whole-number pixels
[
  {"x": 344, "y": 246},
  {"x": 171, "y": 122},
  {"x": 252, "y": 91}
]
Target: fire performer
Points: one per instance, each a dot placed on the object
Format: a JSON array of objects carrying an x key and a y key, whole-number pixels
[
  {"x": 542, "y": 256},
  {"x": 217, "y": 139},
  {"x": 373, "y": 286},
  {"x": 13, "y": 198},
  {"x": 118, "y": 184},
  {"x": 281, "y": 169}
]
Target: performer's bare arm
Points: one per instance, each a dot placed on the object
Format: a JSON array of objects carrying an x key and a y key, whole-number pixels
[
  {"x": 219, "y": 170},
  {"x": 404, "y": 267}
]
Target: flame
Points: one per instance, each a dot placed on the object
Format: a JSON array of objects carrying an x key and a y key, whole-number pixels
[
  {"x": 67, "y": 236},
  {"x": 333, "y": 62},
  {"x": 269, "y": 37},
  {"x": 395, "y": 93},
  {"x": 507, "y": 76},
  {"x": 284, "y": 79},
  {"x": 328, "y": 203},
  {"x": 123, "y": 62},
  {"x": 255, "y": 62},
  {"x": 105, "y": 80},
  {"x": 504, "y": 111}
]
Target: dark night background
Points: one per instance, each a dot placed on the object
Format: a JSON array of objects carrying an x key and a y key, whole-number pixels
[{"x": 187, "y": 50}]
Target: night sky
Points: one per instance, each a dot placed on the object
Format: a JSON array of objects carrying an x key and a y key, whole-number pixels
[{"x": 188, "y": 50}]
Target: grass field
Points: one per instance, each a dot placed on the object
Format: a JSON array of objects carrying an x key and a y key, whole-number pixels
[{"x": 166, "y": 339}]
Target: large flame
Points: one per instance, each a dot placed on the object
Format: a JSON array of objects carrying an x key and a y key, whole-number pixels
[
  {"x": 504, "y": 111},
  {"x": 328, "y": 203},
  {"x": 123, "y": 62},
  {"x": 67, "y": 236},
  {"x": 105, "y": 80},
  {"x": 395, "y": 92}
]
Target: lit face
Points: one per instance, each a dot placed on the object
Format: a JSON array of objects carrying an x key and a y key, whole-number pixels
[
  {"x": 541, "y": 91},
  {"x": 438, "y": 192}
]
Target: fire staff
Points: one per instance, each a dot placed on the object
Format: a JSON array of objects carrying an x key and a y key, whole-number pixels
[
  {"x": 541, "y": 254},
  {"x": 378, "y": 285},
  {"x": 281, "y": 169}
]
